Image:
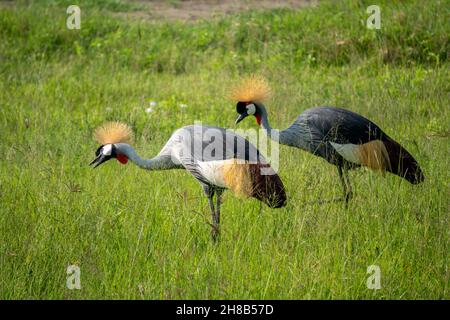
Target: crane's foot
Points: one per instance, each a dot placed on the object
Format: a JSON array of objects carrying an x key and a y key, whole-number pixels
[
  {"x": 215, "y": 232},
  {"x": 348, "y": 197}
]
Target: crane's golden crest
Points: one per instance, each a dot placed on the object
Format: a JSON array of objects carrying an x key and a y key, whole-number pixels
[
  {"x": 251, "y": 88},
  {"x": 113, "y": 132}
]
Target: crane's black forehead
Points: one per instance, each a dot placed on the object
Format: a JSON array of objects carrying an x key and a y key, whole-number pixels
[
  {"x": 241, "y": 107},
  {"x": 97, "y": 152}
]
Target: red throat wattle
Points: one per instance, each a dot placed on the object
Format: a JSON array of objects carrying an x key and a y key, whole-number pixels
[
  {"x": 122, "y": 159},
  {"x": 258, "y": 119}
]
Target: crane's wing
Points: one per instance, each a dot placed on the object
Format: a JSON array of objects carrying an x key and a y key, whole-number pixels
[
  {"x": 322, "y": 130},
  {"x": 197, "y": 143},
  {"x": 338, "y": 134},
  {"x": 341, "y": 126},
  {"x": 220, "y": 157},
  {"x": 216, "y": 141}
]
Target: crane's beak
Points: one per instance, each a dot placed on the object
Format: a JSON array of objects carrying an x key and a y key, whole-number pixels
[
  {"x": 241, "y": 117},
  {"x": 99, "y": 160}
]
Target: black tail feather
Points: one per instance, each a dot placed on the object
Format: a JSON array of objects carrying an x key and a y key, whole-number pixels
[
  {"x": 267, "y": 188},
  {"x": 402, "y": 163}
]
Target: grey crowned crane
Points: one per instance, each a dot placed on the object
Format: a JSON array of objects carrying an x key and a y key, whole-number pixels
[
  {"x": 217, "y": 158},
  {"x": 342, "y": 137}
]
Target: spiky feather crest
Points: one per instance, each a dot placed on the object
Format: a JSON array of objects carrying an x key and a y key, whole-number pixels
[
  {"x": 251, "y": 88},
  {"x": 113, "y": 132}
]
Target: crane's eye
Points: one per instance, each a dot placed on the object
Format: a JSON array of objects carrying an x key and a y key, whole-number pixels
[{"x": 251, "y": 109}]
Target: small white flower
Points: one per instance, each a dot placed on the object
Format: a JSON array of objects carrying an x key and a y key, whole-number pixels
[
  {"x": 182, "y": 105},
  {"x": 152, "y": 103},
  {"x": 148, "y": 110}
]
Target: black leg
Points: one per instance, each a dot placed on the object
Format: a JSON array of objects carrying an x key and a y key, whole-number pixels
[
  {"x": 349, "y": 193},
  {"x": 218, "y": 203},
  {"x": 345, "y": 181},
  {"x": 346, "y": 186},
  {"x": 341, "y": 177},
  {"x": 209, "y": 191},
  {"x": 216, "y": 219}
]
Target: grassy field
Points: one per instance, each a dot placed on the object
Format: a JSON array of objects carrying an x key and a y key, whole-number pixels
[{"x": 143, "y": 235}]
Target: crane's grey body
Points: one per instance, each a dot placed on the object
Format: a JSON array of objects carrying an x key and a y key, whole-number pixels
[
  {"x": 192, "y": 144},
  {"x": 204, "y": 151},
  {"x": 343, "y": 138},
  {"x": 318, "y": 130}
]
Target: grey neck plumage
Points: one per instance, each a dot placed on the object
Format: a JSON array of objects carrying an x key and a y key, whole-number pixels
[
  {"x": 160, "y": 162},
  {"x": 296, "y": 135}
]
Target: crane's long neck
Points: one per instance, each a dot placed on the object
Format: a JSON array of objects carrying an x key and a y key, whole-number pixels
[
  {"x": 159, "y": 162},
  {"x": 298, "y": 136},
  {"x": 272, "y": 133}
]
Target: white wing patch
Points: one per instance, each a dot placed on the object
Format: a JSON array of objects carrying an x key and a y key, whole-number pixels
[
  {"x": 348, "y": 151},
  {"x": 212, "y": 171}
]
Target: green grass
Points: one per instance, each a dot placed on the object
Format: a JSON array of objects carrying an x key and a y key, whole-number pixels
[{"x": 138, "y": 234}]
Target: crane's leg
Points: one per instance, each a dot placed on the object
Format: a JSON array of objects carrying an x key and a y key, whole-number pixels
[
  {"x": 341, "y": 177},
  {"x": 215, "y": 226},
  {"x": 216, "y": 217},
  {"x": 349, "y": 194},
  {"x": 345, "y": 181},
  {"x": 218, "y": 203}
]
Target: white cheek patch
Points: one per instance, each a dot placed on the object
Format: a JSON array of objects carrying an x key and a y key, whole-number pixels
[
  {"x": 251, "y": 109},
  {"x": 107, "y": 150}
]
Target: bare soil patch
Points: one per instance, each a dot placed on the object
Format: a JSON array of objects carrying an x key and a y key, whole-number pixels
[{"x": 192, "y": 10}]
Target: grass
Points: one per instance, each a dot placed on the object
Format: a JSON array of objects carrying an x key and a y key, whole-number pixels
[{"x": 139, "y": 235}]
